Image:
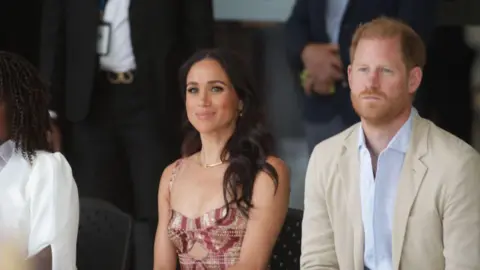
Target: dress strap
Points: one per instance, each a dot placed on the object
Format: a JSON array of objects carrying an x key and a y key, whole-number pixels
[{"x": 175, "y": 170}]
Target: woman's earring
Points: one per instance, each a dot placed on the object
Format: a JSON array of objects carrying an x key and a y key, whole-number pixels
[{"x": 240, "y": 109}]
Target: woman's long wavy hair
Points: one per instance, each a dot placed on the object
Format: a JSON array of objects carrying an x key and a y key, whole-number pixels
[{"x": 250, "y": 144}]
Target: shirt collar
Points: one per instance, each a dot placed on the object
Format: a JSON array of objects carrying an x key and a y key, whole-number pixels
[{"x": 400, "y": 141}]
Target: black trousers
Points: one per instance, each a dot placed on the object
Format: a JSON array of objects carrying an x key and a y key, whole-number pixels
[{"x": 117, "y": 154}]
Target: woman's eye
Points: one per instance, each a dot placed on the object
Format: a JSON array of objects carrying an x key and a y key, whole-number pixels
[
  {"x": 217, "y": 89},
  {"x": 192, "y": 90}
]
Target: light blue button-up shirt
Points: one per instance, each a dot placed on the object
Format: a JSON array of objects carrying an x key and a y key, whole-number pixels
[
  {"x": 334, "y": 16},
  {"x": 378, "y": 195}
]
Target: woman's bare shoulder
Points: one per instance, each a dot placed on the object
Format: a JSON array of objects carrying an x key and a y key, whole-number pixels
[
  {"x": 264, "y": 179},
  {"x": 279, "y": 165},
  {"x": 169, "y": 172}
]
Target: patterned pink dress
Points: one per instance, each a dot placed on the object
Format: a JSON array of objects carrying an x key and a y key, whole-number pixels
[{"x": 221, "y": 238}]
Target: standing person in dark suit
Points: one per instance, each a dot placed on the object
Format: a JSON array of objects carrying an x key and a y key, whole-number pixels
[
  {"x": 319, "y": 34},
  {"x": 112, "y": 66}
]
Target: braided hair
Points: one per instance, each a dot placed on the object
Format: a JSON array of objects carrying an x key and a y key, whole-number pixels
[{"x": 26, "y": 98}]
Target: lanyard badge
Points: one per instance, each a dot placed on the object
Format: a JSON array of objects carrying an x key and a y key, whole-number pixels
[{"x": 104, "y": 32}]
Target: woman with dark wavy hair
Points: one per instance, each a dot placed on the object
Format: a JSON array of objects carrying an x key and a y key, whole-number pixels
[{"x": 223, "y": 204}]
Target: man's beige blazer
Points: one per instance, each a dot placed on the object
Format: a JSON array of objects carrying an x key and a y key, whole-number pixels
[{"x": 437, "y": 212}]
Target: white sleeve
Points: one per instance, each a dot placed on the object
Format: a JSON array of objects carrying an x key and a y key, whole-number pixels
[{"x": 54, "y": 210}]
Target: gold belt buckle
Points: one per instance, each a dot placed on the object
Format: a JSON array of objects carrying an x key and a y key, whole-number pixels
[{"x": 120, "y": 77}]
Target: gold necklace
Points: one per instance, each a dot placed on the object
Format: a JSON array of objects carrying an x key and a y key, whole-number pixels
[
  {"x": 208, "y": 165},
  {"x": 213, "y": 164}
]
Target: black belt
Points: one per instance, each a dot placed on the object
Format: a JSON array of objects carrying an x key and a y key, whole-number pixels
[{"x": 126, "y": 77}]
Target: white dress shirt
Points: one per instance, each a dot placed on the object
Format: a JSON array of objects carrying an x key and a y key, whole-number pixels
[
  {"x": 39, "y": 205},
  {"x": 378, "y": 196},
  {"x": 120, "y": 57}
]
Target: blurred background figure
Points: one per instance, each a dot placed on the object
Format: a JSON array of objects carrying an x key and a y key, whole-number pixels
[{"x": 112, "y": 67}]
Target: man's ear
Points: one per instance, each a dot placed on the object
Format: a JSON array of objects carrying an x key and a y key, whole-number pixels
[
  {"x": 349, "y": 74},
  {"x": 414, "y": 79}
]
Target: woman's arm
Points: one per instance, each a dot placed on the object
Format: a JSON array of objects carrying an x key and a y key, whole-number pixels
[
  {"x": 165, "y": 256},
  {"x": 42, "y": 260},
  {"x": 266, "y": 218}
]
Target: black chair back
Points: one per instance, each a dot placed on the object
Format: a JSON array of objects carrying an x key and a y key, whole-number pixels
[
  {"x": 287, "y": 250},
  {"x": 103, "y": 237}
]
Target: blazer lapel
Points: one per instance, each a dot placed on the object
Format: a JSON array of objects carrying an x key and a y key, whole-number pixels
[
  {"x": 348, "y": 169},
  {"x": 412, "y": 175}
]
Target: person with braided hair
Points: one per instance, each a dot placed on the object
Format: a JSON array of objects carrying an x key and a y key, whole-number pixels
[{"x": 39, "y": 205}]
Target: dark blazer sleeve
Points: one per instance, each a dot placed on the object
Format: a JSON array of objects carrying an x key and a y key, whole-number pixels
[
  {"x": 420, "y": 15},
  {"x": 297, "y": 34},
  {"x": 198, "y": 24},
  {"x": 52, "y": 50}
]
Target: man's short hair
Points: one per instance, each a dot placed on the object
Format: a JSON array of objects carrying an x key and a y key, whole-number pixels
[{"x": 412, "y": 46}]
